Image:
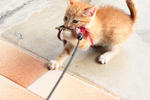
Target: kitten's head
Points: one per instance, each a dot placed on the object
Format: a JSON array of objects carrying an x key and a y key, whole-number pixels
[{"x": 78, "y": 14}]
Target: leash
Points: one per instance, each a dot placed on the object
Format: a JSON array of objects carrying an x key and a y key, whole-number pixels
[{"x": 79, "y": 37}]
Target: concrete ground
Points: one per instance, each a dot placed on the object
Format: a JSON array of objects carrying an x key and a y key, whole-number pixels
[{"x": 127, "y": 75}]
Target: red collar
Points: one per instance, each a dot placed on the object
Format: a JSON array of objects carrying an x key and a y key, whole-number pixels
[{"x": 86, "y": 34}]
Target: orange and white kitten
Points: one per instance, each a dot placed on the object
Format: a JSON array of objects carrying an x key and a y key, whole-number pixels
[{"x": 108, "y": 26}]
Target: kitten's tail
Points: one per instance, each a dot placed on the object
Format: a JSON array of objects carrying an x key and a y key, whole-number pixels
[{"x": 133, "y": 10}]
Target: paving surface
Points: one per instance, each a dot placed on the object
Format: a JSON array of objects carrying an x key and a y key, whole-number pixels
[
  {"x": 27, "y": 71},
  {"x": 127, "y": 75},
  {"x": 18, "y": 66},
  {"x": 11, "y": 91},
  {"x": 70, "y": 88},
  {"x": 16, "y": 11}
]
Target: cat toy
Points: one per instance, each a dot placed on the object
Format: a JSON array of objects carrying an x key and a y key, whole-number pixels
[
  {"x": 60, "y": 29},
  {"x": 83, "y": 33}
]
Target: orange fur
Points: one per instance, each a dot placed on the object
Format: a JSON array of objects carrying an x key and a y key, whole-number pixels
[{"x": 108, "y": 26}]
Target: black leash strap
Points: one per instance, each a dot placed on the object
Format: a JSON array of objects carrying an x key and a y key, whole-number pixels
[
  {"x": 69, "y": 62},
  {"x": 60, "y": 29}
]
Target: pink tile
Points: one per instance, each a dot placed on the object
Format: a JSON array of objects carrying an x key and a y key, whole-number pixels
[
  {"x": 19, "y": 66},
  {"x": 11, "y": 91}
]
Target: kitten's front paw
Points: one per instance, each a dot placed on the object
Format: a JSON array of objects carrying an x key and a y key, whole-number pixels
[
  {"x": 53, "y": 64},
  {"x": 104, "y": 58}
]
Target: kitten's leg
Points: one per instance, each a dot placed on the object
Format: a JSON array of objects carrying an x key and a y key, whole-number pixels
[
  {"x": 55, "y": 64},
  {"x": 84, "y": 44},
  {"x": 105, "y": 57}
]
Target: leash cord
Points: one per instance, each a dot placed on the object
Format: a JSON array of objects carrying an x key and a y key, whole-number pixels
[{"x": 69, "y": 62}]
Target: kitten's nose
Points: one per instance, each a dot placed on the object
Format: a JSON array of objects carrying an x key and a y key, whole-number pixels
[
  {"x": 68, "y": 27},
  {"x": 68, "y": 24}
]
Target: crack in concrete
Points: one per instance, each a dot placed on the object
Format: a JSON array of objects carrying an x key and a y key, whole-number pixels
[{"x": 9, "y": 13}]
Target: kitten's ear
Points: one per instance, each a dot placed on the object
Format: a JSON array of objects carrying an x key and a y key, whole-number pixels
[
  {"x": 71, "y": 2},
  {"x": 90, "y": 11}
]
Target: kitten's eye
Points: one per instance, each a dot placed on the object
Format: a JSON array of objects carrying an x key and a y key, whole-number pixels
[
  {"x": 66, "y": 18},
  {"x": 75, "y": 21}
]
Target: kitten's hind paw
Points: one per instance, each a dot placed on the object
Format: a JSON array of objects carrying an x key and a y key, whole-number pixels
[{"x": 53, "y": 64}]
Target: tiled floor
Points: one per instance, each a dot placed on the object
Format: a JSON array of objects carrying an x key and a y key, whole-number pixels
[
  {"x": 19, "y": 66},
  {"x": 11, "y": 91},
  {"x": 70, "y": 88},
  {"x": 27, "y": 71}
]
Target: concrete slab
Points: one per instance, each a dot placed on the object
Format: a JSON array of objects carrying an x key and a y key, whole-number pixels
[
  {"x": 43, "y": 36},
  {"x": 126, "y": 75},
  {"x": 17, "y": 11}
]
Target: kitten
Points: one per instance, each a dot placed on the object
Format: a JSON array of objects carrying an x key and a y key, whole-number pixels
[{"x": 108, "y": 26}]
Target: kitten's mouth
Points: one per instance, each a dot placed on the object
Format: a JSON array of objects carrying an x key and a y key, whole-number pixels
[
  {"x": 83, "y": 30},
  {"x": 74, "y": 31}
]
